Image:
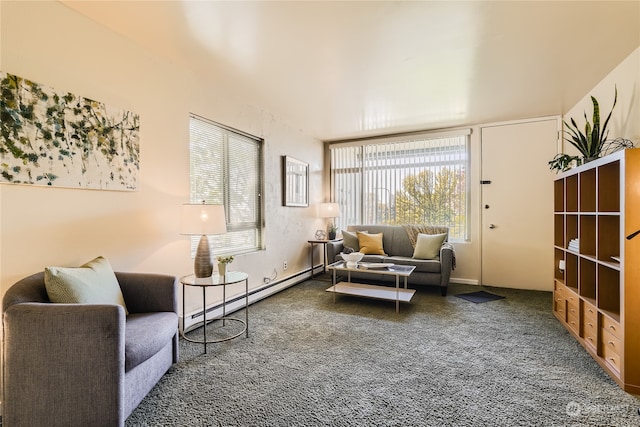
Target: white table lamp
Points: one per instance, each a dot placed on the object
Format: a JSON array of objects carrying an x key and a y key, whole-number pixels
[
  {"x": 329, "y": 210},
  {"x": 202, "y": 219}
]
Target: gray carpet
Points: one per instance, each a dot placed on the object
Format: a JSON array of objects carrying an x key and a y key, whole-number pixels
[{"x": 439, "y": 362}]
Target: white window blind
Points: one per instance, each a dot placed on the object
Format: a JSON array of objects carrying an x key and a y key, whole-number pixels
[
  {"x": 226, "y": 168},
  {"x": 412, "y": 180}
]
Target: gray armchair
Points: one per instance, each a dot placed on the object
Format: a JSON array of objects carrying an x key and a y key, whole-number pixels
[{"x": 80, "y": 364}]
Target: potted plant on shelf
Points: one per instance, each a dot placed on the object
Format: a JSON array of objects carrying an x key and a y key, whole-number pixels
[
  {"x": 222, "y": 264},
  {"x": 332, "y": 229},
  {"x": 592, "y": 143}
]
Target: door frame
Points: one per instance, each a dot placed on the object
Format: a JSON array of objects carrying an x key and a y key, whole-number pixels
[{"x": 481, "y": 218}]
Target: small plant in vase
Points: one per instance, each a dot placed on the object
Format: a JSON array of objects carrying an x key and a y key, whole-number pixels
[
  {"x": 222, "y": 264},
  {"x": 332, "y": 229}
]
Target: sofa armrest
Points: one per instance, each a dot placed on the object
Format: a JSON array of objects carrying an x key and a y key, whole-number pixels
[
  {"x": 333, "y": 249},
  {"x": 61, "y": 356},
  {"x": 447, "y": 260},
  {"x": 145, "y": 293}
]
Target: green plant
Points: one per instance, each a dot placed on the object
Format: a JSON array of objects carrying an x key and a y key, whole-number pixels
[
  {"x": 562, "y": 162},
  {"x": 332, "y": 228},
  {"x": 590, "y": 143},
  {"x": 225, "y": 259}
]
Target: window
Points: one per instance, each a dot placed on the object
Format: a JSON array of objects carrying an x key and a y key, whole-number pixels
[
  {"x": 226, "y": 168},
  {"x": 418, "y": 179}
]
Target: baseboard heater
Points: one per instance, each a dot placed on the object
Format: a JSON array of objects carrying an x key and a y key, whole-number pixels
[{"x": 194, "y": 320}]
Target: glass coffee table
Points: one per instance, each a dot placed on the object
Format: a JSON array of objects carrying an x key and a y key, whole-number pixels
[{"x": 396, "y": 294}]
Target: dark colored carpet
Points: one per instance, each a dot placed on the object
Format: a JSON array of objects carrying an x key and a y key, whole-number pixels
[
  {"x": 440, "y": 362},
  {"x": 480, "y": 297}
]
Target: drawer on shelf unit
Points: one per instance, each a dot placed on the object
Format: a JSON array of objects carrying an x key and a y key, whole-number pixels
[
  {"x": 590, "y": 332},
  {"x": 589, "y": 311},
  {"x": 612, "y": 327},
  {"x": 611, "y": 357},
  {"x": 611, "y": 342},
  {"x": 573, "y": 306},
  {"x": 573, "y": 322},
  {"x": 559, "y": 302}
]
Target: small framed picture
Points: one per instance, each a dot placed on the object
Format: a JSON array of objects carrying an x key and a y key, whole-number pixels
[{"x": 295, "y": 182}]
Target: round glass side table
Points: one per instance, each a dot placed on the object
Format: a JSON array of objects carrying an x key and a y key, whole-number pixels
[{"x": 230, "y": 278}]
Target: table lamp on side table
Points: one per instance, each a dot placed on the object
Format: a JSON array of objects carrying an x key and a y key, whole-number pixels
[
  {"x": 329, "y": 210},
  {"x": 202, "y": 219}
]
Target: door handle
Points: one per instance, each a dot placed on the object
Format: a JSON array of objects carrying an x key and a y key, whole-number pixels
[{"x": 492, "y": 226}]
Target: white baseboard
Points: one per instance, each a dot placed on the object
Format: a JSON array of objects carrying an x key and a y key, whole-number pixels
[
  {"x": 464, "y": 281},
  {"x": 237, "y": 302}
]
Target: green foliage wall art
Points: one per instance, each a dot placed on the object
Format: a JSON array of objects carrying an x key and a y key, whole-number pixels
[{"x": 59, "y": 139}]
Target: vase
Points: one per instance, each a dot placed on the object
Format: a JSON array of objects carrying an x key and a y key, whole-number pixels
[
  {"x": 332, "y": 235},
  {"x": 222, "y": 269}
]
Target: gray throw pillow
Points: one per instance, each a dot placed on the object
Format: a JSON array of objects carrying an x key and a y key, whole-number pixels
[{"x": 350, "y": 240}]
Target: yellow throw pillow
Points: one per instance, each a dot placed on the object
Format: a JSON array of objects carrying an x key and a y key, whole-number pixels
[
  {"x": 370, "y": 244},
  {"x": 428, "y": 246}
]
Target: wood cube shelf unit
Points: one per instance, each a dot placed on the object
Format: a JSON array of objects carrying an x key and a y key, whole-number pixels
[{"x": 597, "y": 286}]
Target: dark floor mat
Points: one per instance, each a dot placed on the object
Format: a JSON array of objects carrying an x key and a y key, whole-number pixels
[{"x": 480, "y": 296}]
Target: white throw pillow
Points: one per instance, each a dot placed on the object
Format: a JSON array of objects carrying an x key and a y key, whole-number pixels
[
  {"x": 428, "y": 246},
  {"x": 92, "y": 283}
]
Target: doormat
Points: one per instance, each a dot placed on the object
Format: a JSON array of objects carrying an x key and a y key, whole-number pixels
[{"x": 480, "y": 296}]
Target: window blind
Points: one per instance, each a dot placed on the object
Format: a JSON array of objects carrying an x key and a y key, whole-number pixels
[
  {"x": 226, "y": 168},
  {"x": 418, "y": 179}
]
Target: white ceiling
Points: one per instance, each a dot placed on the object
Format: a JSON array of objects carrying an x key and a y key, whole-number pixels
[{"x": 354, "y": 68}]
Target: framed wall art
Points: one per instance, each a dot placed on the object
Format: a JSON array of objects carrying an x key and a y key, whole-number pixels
[
  {"x": 58, "y": 139},
  {"x": 295, "y": 182}
]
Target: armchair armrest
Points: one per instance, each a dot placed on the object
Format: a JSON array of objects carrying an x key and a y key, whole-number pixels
[
  {"x": 447, "y": 260},
  {"x": 144, "y": 292},
  {"x": 333, "y": 249},
  {"x": 74, "y": 359}
]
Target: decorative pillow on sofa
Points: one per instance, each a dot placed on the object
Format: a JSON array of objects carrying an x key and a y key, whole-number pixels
[
  {"x": 92, "y": 283},
  {"x": 428, "y": 245},
  {"x": 350, "y": 240},
  {"x": 370, "y": 244}
]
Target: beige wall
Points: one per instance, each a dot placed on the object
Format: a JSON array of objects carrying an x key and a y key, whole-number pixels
[
  {"x": 625, "y": 120},
  {"x": 137, "y": 231}
]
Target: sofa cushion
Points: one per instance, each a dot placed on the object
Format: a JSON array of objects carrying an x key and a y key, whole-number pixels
[
  {"x": 146, "y": 334},
  {"x": 92, "y": 283},
  {"x": 428, "y": 246},
  {"x": 422, "y": 265},
  {"x": 373, "y": 258},
  {"x": 370, "y": 244}
]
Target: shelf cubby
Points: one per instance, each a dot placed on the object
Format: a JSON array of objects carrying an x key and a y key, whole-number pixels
[
  {"x": 559, "y": 273},
  {"x": 571, "y": 230},
  {"x": 571, "y": 194},
  {"x": 609, "y": 290},
  {"x": 609, "y": 187},
  {"x": 558, "y": 231},
  {"x": 587, "y": 277},
  {"x": 608, "y": 237},
  {"x": 588, "y": 191},
  {"x": 588, "y": 235},
  {"x": 558, "y": 196},
  {"x": 571, "y": 271}
]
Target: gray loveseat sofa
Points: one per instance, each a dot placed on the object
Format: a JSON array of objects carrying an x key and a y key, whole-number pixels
[
  {"x": 397, "y": 245},
  {"x": 82, "y": 364}
]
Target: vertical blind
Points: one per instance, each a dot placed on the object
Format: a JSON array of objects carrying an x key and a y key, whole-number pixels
[
  {"x": 226, "y": 168},
  {"x": 412, "y": 180}
]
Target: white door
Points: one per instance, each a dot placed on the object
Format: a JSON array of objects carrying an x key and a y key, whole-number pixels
[{"x": 517, "y": 204}]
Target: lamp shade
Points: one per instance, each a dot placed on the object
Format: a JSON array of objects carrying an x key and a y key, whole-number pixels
[
  {"x": 329, "y": 210},
  {"x": 201, "y": 219}
]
